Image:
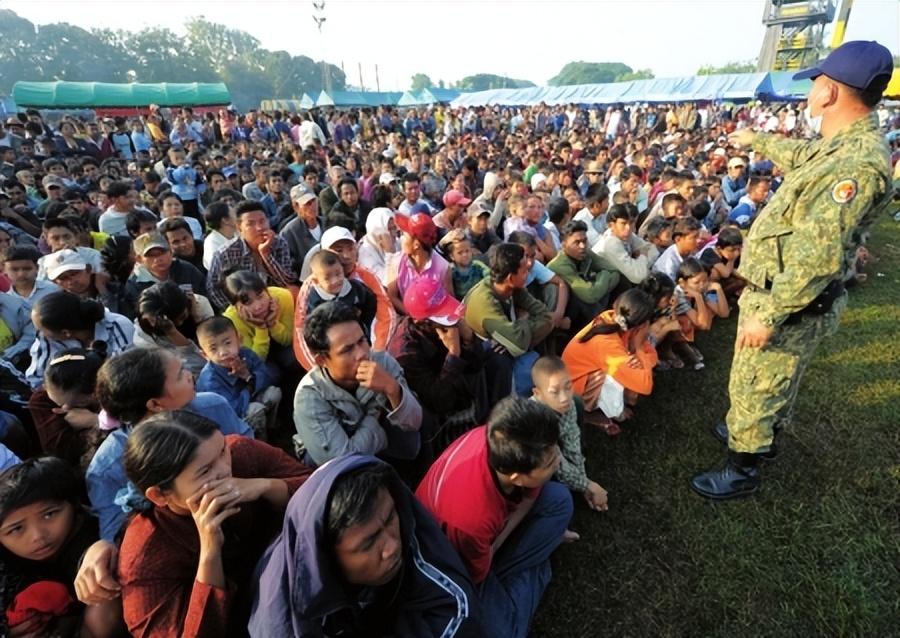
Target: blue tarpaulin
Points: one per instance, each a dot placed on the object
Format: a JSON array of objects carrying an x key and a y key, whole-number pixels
[{"x": 733, "y": 86}]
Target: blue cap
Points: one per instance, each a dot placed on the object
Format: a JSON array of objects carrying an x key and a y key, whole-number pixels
[
  {"x": 228, "y": 171},
  {"x": 855, "y": 64}
]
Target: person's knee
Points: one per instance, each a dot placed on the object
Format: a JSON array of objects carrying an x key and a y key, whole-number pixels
[{"x": 557, "y": 501}]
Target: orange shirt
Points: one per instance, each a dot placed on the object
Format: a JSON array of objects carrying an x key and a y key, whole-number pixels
[{"x": 609, "y": 354}]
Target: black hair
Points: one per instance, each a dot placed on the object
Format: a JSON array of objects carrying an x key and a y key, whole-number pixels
[
  {"x": 175, "y": 223},
  {"x": 347, "y": 181},
  {"x": 320, "y": 320},
  {"x": 672, "y": 198},
  {"x": 64, "y": 311},
  {"x": 163, "y": 196},
  {"x": 215, "y": 213},
  {"x": 632, "y": 170},
  {"x": 222, "y": 193},
  {"x": 505, "y": 261},
  {"x": 135, "y": 218},
  {"x": 164, "y": 299},
  {"x": 572, "y": 227},
  {"x": 657, "y": 226},
  {"x": 38, "y": 479},
  {"x": 150, "y": 177},
  {"x": 557, "y": 209},
  {"x": 690, "y": 267},
  {"x": 353, "y": 497},
  {"x": 118, "y": 188},
  {"x": 658, "y": 285},
  {"x": 55, "y": 221},
  {"x": 872, "y": 94},
  {"x": 520, "y": 433},
  {"x": 22, "y": 253},
  {"x": 127, "y": 381},
  {"x": 728, "y": 237},
  {"x": 324, "y": 259},
  {"x": 159, "y": 450},
  {"x": 625, "y": 211},
  {"x": 117, "y": 258},
  {"x": 685, "y": 226},
  {"x": 249, "y": 206},
  {"x": 411, "y": 177},
  {"x": 273, "y": 173},
  {"x": 238, "y": 283},
  {"x": 215, "y": 326},
  {"x": 521, "y": 238},
  {"x": 634, "y": 306},
  {"x": 700, "y": 209},
  {"x": 75, "y": 370}
]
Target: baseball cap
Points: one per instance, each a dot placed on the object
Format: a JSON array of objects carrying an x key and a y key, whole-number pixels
[
  {"x": 53, "y": 181},
  {"x": 593, "y": 167},
  {"x": 335, "y": 234},
  {"x": 857, "y": 63},
  {"x": 387, "y": 178},
  {"x": 455, "y": 198},
  {"x": 735, "y": 161},
  {"x": 420, "y": 226},
  {"x": 301, "y": 194},
  {"x": 148, "y": 241},
  {"x": 427, "y": 299},
  {"x": 228, "y": 171},
  {"x": 64, "y": 261},
  {"x": 477, "y": 209}
]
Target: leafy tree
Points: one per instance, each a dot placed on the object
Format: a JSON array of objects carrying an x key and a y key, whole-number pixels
[
  {"x": 485, "y": 81},
  {"x": 590, "y": 73},
  {"x": 420, "y": 81},
  {"x": 748, "y": 66},
  {"x": 640, "y": 74}
]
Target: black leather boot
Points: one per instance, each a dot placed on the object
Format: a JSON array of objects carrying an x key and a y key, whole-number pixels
[
  {"x": 739, "y": 476},
  {"x": 720, "y": 431}
]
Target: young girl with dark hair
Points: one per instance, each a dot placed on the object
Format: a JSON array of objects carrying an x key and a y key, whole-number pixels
[
  {"x": 167, "y": 318},
  {"x": 186, "y": 563},
  {"x": 620, "y": 343},
  {"x": 263, "y": 316},
  {"x": 66, "y": 411},
  {"x": 64, "y": 321},
  {"x": 44, "y": 532}
]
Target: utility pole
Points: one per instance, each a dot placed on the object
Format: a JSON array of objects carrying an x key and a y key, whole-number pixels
[
  {"x": 377, "y": 81},
  {"x": 362, "y": 87}
]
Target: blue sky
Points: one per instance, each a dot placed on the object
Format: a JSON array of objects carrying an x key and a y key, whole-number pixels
[{"x": 448, "y": 40}]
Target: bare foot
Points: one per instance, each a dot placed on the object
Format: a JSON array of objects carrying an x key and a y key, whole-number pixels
[{"x": 570, "y": 536}]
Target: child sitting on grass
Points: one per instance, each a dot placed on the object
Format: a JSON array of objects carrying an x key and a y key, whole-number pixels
[
  {"x": 696, "y": 302},
  {"x": 553, "y": 388},
  {"x": 238, "y": 374},
  {"x": 720, "y": 260},
  {"x": 464, "y": 271}
]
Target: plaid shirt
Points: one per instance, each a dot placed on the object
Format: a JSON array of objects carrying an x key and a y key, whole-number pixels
[{"x": 276, "y": 270}]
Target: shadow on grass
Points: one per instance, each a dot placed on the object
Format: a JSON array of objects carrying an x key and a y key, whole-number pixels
[{"x": 813, "y": 554}]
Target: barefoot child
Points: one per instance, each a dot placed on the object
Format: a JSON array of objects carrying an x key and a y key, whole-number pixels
[{"x": 553, "y": 388}]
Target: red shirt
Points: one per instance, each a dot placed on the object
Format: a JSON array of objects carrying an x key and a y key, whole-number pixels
[
  {"x": 159, "y": 556},
  {"x": 462, "y": 493}
]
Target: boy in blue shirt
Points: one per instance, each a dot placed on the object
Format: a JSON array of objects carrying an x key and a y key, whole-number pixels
[{"x": 237, "y": 374}]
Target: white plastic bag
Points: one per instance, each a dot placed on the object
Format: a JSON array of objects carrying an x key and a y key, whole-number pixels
[{"x": 612, "y": 398}]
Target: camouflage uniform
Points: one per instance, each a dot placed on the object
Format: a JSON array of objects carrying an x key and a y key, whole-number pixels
[{"x": 804, "y": 239}]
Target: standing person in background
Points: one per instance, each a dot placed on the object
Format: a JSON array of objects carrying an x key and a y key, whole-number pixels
[{"x": 797, "y": 253}]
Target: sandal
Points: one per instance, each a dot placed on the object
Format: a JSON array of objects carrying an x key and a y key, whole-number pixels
[{"x": 603, "y": 423}]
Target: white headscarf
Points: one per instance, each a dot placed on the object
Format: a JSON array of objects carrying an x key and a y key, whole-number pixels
[{"x": 377, "y": 222}]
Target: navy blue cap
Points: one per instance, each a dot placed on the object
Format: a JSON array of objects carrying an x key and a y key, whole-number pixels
[{"x": 857, "y": 64}]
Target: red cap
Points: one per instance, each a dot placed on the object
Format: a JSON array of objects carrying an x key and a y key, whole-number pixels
[
  {"x": 427, "y": 299},
  {"x": 420, "y": 226},
  {"x": 455, "y": 198}
]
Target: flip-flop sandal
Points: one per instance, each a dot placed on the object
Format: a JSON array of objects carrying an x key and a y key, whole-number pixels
[
  {"x": 676, "y": 363},
  {"x": 603, "y": 423}
]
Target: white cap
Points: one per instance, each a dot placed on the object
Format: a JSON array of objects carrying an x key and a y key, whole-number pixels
[
  {"x": 387, "y": 178},
  {"x": 536, "y": 179},
  {"x": 64, "y": 261},
  {"x": 335, "y": 234}
]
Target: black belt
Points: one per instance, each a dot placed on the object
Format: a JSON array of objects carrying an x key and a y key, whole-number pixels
[{"x": 820, "y": 305}]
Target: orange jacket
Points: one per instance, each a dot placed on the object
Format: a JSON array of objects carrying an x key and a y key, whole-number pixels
[
  {"x": 609, "y": 354},
  {"x": 382, "y": 329}
]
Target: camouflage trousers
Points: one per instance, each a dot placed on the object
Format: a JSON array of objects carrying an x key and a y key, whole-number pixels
[{"x": 764, "y": 381}]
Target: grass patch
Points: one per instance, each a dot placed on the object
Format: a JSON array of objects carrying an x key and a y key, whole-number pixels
[{"x": 814, "y": 553}]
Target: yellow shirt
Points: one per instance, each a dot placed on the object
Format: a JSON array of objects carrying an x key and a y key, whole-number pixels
[
  {"x": 257, "y": 338},
  {"x": 98, "y": 239}
]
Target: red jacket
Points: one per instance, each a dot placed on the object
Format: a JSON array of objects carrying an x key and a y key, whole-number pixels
[{"x": 160, "y": 550}]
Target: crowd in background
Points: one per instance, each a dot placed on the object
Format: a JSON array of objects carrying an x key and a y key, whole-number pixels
[{"x": 326, "y": 373}]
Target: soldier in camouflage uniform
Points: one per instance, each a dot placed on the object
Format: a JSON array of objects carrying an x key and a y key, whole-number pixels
[{"x": 797, "y": 252}]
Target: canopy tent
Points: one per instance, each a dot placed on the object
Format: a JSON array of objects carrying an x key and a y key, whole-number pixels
[
  {"x": 427, "y": 96},
  {"x": 358, "y": 98},
  {"x": 732, "y": 86},
  {"x": 65, "y": 95},
  {"x": 290, "y": 106}
]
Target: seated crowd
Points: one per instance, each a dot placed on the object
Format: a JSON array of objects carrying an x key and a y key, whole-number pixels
[{"x": 259, "y": 381}]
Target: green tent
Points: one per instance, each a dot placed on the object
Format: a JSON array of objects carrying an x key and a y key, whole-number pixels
[{"x": 74, "y": 95}]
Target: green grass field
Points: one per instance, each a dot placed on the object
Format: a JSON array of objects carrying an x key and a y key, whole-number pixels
[{"x": 814, "y": 553}]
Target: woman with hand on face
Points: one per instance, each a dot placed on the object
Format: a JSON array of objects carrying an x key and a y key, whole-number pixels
[{"x": 186, "y": 564}]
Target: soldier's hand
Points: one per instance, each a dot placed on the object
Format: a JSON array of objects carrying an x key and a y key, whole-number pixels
[
  {"x": 742, "y": 138},
  {"x": 753, "y": 334}
]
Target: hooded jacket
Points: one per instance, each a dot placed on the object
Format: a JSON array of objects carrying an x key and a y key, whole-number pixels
[{"x": 300, "y": 590}]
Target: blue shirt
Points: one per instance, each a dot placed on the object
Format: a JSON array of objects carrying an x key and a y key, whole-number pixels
[
  {"x": 112, "y": 495},
  {"x": 219, "y": 380}
]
